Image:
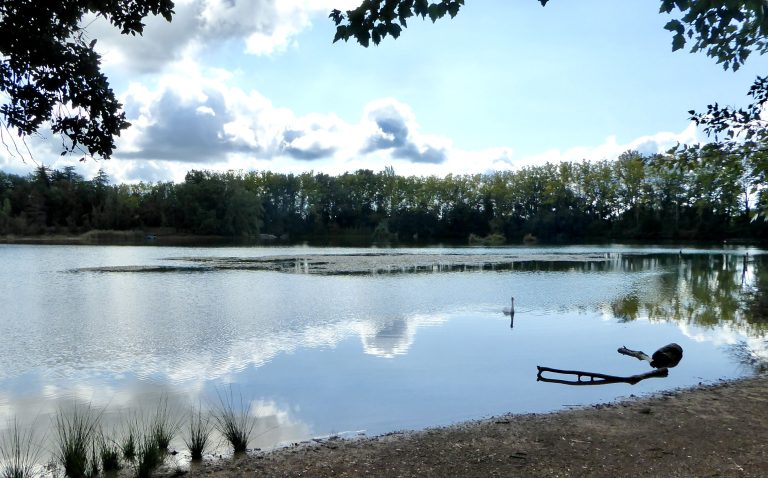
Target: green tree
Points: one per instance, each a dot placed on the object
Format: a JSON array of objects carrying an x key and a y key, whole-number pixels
[{"x": 47, "y": 60}]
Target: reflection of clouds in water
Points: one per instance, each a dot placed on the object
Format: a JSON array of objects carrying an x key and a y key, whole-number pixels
[
  {"x": 183, "y": 382},
  {"x": 380, "y": 337},
  {"x": 395, "y": 337},
  {"x": 275, "y": 423},
  {"x": 729, "y": 335}
]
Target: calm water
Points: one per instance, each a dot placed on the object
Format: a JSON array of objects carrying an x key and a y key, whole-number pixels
[{"x": 318, "y": 355}]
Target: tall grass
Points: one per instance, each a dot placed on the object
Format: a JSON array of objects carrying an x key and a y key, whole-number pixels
[
  {"x": 138, "y": 442},
  {"x": 77, "y": 432},
  {"x": 109, "y": 453},
  {"x": 233, "y": 421},
  {"x": 148, "y": 455},
  {"x": 199, "y": 433},
  {"x": 128, "y": 443},
  {"x": 164, "y": 426},
  {"x": 19, "y": 452}
]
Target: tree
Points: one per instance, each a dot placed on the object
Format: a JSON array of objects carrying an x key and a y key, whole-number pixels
[
  {"x": 375, "y": 19},
  {"x": 50, "y": 72}
]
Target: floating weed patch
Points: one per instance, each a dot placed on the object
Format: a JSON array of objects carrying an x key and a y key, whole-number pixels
[
  {"x": 199, "y": 433},
  {"x": 77, "y": 432},
  {"x": 233, "y": 421},
  {"x": 19, "y": 452}
]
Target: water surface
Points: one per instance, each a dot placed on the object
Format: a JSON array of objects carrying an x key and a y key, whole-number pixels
[{"x": 323, "y": 354}]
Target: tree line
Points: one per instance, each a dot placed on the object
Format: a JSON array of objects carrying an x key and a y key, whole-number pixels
[{"x": 700, "y": 193}]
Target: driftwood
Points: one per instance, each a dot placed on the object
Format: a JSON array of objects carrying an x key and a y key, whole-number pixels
[
  {"x": 635, "y": 353},
  {"x": 666, "y": 357},
  {"x": 597, "y": 378}
]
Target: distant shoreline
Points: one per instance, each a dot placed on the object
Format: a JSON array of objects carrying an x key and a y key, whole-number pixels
[
  {"x": 132, "y": 238},
  {"x": 171, "y": 239}
]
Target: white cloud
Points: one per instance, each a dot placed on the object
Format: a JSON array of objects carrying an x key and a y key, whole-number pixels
[
  {"x": 262, "y": 27},
  {"x": 611, "y": 149},
  {"x": 192, "y": 118}
]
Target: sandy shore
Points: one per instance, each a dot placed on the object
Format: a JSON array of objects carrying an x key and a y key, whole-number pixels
[{"x": 717, "y": 430}]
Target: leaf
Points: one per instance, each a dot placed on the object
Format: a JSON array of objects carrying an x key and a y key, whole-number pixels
[
  {"x": 678, "y": 42},
  {"x": 394, "y": 30},
  {"x": 675, "y": 26}
]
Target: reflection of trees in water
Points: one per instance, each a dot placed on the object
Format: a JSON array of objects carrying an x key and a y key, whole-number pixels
[
  {"x": 709, "y": 291},
  {"x": 752, "y": 355},
  {"x": 701, "y": 290}
]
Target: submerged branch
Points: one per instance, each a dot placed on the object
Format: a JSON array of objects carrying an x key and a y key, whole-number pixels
[{"x": 596, "y": 378}]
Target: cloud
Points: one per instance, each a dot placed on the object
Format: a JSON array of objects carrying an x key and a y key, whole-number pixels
[
  {"x": 394, "y": 127},
  {"x": 261, "y": 27},
  {"x": 195, "y": 118},
  {"x": 190, "y": 131},
  {"x": 313, "y": 137},
  {"x": 611, "y": 148},
  {"x": 191, "y": 118}
]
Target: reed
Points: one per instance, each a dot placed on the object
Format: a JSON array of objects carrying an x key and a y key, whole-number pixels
[
  {"x": 148, "y": 455},
  {"x": 128, "y": 444},
  {"x": 233, "y": 421},
  {"x": 109, "y": 454},
  {"x": 77, "y": 432},
  {"x": 19, "y": 452},
  {"x": 199, "y": 433},
  {"x": 164, "y": 426}
]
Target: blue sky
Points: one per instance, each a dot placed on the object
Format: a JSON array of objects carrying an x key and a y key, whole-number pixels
[{"x": 258, "y": 85}]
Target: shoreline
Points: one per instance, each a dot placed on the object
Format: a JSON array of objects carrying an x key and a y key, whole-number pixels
[{"x": 711, "y": 430}]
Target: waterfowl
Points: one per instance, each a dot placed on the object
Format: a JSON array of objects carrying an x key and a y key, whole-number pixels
[{"x": 511, "y": 309}]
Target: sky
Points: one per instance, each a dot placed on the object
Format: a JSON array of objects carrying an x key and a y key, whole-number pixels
[{"x": 254, "y": 85}]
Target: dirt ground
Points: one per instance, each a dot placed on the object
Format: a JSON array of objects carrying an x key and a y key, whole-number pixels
[{"x": 715, "y": 430}]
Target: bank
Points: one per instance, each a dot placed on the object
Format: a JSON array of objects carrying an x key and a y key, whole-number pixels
[{"x": 713, "y": 430}]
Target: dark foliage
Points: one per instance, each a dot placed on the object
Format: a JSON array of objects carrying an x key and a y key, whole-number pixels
[
  {"x": 698, "y": 193},
  {"x": 50, "y": 72}
]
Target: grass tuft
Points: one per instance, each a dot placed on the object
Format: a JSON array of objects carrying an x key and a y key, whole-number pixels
[
  {"x": 164, "y": 426},
  {"x": 128, "y": 439},
  {"x": 199, "y": 436},
  {"x": 109, "y": 454},
  {"x": 76, "y": 433},
  {"x": 19, "y": 452},
  {"x": 233, "y": 421},
  {"x": 148, "y": 455}
]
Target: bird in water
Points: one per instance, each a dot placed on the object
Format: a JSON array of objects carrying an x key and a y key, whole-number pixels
[
  {"x": 667, "y": 356},
  {"x": 511, "y": 309}
]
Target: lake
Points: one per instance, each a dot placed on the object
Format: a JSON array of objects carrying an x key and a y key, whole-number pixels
[{"x": 365, "y": 353}]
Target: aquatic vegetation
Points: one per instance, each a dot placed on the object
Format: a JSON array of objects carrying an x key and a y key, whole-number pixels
[
  {"x": 199, "y": 433},
  {"x": 148, "y": 455},
  {"x": 164, "y": 426},
  {"x": 128, "y": 443},
  {"x": 19, "y": 452},
  {"x": 234, "y": 421},
  {"x": 77, "y": 433},
  {"x": 109, "y": 453}
]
